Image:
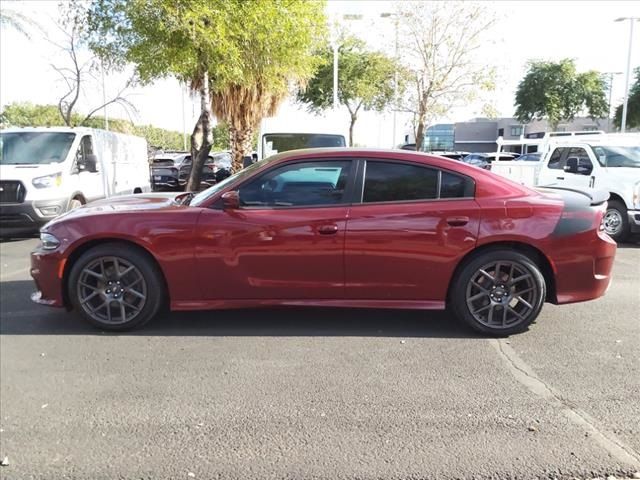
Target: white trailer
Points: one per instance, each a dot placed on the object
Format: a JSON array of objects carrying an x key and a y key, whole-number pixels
[{"x": 45, "y": 172}]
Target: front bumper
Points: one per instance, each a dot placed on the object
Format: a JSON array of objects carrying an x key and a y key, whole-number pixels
[
  {"x": 634, "y": 221},
  {"x": 29, "y": 216},
  {"x": 47, "y": 270}
]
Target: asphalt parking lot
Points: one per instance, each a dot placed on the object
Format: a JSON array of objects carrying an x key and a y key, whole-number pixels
[{"x": 305, "y": 393}]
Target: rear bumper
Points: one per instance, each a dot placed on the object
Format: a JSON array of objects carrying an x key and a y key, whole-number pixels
[
  {"x": 583, "y": 268},
  {"x": 29, "y": 216},
  {"x": 46, "y": 271},
  {"x": 634, "y": 221}
]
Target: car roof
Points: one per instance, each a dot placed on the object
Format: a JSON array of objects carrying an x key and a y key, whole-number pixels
[{"x": 373, "y": 153}]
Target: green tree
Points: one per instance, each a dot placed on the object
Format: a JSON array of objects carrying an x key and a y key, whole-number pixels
[
  {"x": 365, "y": 81},
  {"x": 241, "y": 56},
  {"x": 556, "y": 91},
  {"x": 13, "y": 19},
  {"x": 440, "y": 43},
  {"x": 633, "y": 106}
]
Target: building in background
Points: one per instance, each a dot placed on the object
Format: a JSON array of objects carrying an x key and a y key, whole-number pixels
[{"x": 480, "y": 134}]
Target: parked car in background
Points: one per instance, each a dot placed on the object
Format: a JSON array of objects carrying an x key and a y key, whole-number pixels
[
  {"x": 165, "y": 169},
  {"x": 45, "y": 172},
  {"x": 529, "y": 157},
  {"x": 451, "y": 155},
  {"x": 334, "y": 228},
  {"x": 216, "y": 168},
  {"x": 484, "y": 160}
]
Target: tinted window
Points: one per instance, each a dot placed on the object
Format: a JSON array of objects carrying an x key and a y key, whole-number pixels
[
  {"x": 392, "y": 182},
  {"x": 298, "y": 184},
  {"x": 455, "y": 186},
  {"x": 556, "y": 159}
]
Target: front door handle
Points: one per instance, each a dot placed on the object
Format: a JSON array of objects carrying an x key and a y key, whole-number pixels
[
  {"x": 458, "y": 221},
  {"x": 328, "y": 229}
]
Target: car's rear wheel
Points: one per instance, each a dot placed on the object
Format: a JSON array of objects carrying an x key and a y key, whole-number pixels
[
  {"x": 115, "y": 287},
  {"x": 499, "y": 292},
  {"x": 616, "y": 221}
]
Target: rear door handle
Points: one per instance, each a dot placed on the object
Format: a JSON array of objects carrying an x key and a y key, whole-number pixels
[
  {"x": 328, "y": 229},
  {"x": 559, "y": 178},
  {"x": 457, "y": 221}
]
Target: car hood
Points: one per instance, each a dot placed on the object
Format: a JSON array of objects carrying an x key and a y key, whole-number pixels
[{"x": 123, "y": 204}]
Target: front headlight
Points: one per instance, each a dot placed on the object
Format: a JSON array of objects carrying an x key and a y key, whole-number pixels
[
  {"x": 49, "y": 242},
  {"x": 53, "y": 180},
  {"x": 636, "y": 195}
]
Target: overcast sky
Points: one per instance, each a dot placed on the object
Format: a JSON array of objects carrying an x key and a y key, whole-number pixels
[{"x": 548, "y": 30}]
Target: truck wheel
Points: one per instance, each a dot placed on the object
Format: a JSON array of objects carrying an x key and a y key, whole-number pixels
[
  {"x": 498, "y": 292},
  {"x": 616, "y": 221},
  {"x": 115, "y": 287}
]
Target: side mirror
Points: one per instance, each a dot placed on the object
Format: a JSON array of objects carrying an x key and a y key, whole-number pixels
[
  {"x": 231, "y": 200},
  {"x": 572, "y": 165}
]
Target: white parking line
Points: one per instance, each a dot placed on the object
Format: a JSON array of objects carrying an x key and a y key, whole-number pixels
[{"x": 527, "y": 377}]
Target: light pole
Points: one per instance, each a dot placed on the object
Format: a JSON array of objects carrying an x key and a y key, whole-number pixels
[
  {"x": 610, "y": 76},
  {"x": 395, "y": 75},
  {"x": 623, "y": 124}
]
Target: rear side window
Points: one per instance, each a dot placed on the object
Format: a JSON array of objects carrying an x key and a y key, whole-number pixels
[
  {"x": 455, "y": 186},
  {"x": 394, "y": 182}
]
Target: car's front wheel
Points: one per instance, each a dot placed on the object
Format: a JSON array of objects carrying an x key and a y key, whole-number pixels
[
  {"x": 499, "y": 292},
  {"x": 115, "y": 287}
]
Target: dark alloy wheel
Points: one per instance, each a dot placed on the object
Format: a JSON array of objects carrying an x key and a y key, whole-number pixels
[
  {"x": 115, "y": 287},
  {"x": 498, "y": 292}
]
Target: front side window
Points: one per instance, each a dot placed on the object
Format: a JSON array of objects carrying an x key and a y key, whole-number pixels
[
  {"x": 299, "y": 184},
  {"x": 395, "y": 182},
  {"x": 555, "y": 161}
]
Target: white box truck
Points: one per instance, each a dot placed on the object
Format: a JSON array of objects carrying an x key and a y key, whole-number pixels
[
  {"x": 294, "y": 132},
  {"x": 609, "y": 162},
  {"x": 47, "y": 171}
]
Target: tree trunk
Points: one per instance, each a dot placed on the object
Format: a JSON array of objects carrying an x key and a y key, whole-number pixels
[
  {"x": 241, "y": 143},
  {"x": 354, "y": 117},
  {"x": 201, "y": 138},
  {"x": 420, "y": 134}
]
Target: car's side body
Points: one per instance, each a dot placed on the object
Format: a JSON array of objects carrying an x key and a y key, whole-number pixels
[{"x": 380, "y": 254}]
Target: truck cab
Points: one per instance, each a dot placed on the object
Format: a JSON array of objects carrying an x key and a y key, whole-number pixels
[{"x": 603, "y": 162}]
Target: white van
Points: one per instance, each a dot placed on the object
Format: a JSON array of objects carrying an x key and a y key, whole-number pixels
[
  {"x": 281, "y": 134},
  {"x": 47, "y": 171},
  {"x": 608, "y": 162}
]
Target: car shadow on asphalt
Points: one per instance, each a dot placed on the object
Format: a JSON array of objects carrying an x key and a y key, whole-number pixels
[{"x": 21, "y": 317}]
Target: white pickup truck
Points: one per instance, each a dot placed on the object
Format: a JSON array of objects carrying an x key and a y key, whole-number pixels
[{"x": 608, "y": 162}]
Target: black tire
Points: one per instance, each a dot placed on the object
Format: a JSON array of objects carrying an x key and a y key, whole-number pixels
[
  {"x": 484, "y": 284},
  {"x": 116, "y": 257},
  {"x": 616, "y": 221}
]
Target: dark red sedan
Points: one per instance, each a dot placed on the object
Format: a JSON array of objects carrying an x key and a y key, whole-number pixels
[{"x": 332, "y": 227}]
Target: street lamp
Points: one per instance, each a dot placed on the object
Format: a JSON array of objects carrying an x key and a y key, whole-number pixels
[
  {"x": 626, "y": 83},
  {"x": 610, "y": 75},
  {"x": 395, "y": 74}
]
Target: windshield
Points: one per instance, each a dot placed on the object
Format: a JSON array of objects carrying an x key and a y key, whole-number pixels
[
  {"x": 33, "y": 148},
  {"x": 201, "y": 197},
  {"x": 282, "y": 142},
  {"x": 621, "y": 156}
]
